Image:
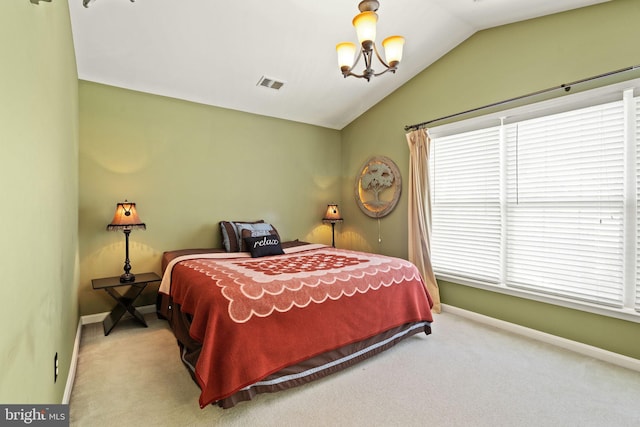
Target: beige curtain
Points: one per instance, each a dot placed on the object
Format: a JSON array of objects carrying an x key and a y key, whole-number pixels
[{"x": 420, "y": 211}]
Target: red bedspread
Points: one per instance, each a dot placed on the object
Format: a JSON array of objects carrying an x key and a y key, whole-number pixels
[{"x": 255, "y": 316}]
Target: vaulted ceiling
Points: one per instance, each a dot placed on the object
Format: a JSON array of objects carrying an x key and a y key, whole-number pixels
[{"x": 215, "y": 52}]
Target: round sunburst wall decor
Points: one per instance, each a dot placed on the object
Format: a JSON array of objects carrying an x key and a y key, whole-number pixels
[{"x": 378, "y": 186}]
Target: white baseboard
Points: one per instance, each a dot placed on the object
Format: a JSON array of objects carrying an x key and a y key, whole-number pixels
[
  {"x": 99, "y": 317},
  {"x": 584, "y": 349},
  {"x": 73, "y": 366}
]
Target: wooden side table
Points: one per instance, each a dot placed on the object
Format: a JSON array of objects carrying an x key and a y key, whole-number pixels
[{"x": 125, "y": 301}]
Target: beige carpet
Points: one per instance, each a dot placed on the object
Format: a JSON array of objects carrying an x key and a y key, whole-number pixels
[{"x": 464, "y": 374}]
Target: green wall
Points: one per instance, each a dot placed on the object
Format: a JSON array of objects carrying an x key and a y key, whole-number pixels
[
  {"x": 189, "y": 166},
  {"x": 491, "y": 66},
  {"x": 38, "y": 208}
]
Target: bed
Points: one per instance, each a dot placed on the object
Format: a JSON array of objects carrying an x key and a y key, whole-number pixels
[{"x": 261, "y": 315}]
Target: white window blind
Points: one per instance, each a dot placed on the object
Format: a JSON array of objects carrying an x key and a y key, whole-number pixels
[
  {"x": 542, "y": 204},
  {"x": 465, "y": 185},
  {"x": 565, "y": 205}
]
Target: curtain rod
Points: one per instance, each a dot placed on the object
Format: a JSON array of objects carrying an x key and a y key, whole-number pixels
[{"x": 566, "y": 87}]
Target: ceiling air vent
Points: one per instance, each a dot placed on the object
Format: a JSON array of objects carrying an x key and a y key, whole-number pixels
[{"x": 270, "y": 83}]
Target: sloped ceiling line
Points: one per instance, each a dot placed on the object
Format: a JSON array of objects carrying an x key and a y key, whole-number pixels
[{"x": 185, "y": 49}]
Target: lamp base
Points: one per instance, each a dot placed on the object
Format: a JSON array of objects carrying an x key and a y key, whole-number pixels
[{"x": 127, "y": 278}]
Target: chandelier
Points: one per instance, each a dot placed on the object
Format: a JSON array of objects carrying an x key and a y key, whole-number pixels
[{"x": 365, "y": 24}]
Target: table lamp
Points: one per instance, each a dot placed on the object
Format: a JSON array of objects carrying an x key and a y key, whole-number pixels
[
  {"x": 126, "y": 219},
  {"x": 332, "y": 216}
]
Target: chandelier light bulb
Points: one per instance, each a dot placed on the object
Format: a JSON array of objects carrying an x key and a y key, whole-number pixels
[
  {"x": 346, "y": 54},
  {"x": 365, "y": 24},
  {"x": 393, "y": 49}
]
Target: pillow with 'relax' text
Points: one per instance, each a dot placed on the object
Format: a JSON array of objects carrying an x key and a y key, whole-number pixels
[{"x": 260, "y": 246}]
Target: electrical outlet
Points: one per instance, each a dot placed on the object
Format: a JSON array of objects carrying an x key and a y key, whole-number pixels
[{"x": 55, "y": 368}]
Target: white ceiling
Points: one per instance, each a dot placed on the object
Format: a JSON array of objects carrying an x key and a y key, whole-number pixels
[{"x": 214, "y": 52}]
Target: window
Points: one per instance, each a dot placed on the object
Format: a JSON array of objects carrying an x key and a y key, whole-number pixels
[
  {"x": 466, "y": 191},
  {"x": 544, "y": 201}
]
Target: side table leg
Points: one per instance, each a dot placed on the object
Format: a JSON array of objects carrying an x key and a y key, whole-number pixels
[{"x": 125, "y": 304}]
